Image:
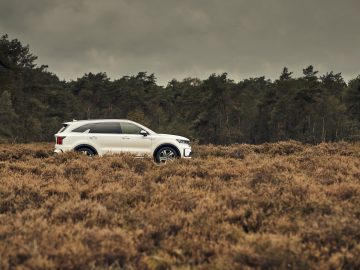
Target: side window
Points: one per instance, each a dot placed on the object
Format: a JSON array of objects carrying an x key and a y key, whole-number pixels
[
  {"x": 129, "y": 128},
  {"x": 106, "y": 128},
  {"x": 83, "y": 128}
]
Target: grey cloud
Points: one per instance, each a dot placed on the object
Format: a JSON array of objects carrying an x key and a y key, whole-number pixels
[{"x": 176, "y": 39}]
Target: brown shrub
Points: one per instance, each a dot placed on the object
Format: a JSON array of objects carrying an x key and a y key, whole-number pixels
[{"x": 270, "y": 206}]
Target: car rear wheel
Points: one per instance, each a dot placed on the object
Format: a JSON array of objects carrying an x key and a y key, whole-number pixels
[
  {"x": 85, "y": 151},
  {"x": 166, "y": 154}
]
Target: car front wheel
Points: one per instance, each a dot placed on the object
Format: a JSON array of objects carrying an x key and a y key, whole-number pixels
[{"x": 166, "y": 154}]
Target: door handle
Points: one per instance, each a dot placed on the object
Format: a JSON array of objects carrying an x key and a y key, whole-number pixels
[
  {"x": 125, "y": 138},
  {"x": 92, "y": 137}
]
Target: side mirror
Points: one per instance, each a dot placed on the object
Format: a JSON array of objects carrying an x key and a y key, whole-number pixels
[{"x": 144, "y": 133}]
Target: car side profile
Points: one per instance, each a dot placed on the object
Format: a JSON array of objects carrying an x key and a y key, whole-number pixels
[{"x": 99, "y": 137}]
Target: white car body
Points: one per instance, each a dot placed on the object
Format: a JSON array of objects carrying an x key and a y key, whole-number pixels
[{"x": 128, "y": 139}]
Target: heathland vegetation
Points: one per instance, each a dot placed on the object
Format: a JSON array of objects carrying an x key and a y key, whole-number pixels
[
  {"x": 284, "y": 205},
  {"x": 312, "y": 108}
]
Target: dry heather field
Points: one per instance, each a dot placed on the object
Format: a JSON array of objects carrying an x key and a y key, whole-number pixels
[{"x": 272, "y": 206}]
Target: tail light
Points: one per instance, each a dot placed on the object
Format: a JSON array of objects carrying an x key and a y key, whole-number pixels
[{"x": 59, "y": 139}]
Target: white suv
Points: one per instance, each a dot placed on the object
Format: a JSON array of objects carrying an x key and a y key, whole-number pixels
[{"x": 98, "y": 137}]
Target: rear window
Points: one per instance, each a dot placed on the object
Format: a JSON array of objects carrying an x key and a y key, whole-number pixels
[
  {"x": 82, "y": 128},
  {"x": 63, "y": 128}
]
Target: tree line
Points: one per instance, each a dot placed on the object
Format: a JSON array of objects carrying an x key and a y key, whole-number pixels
[{"x": 312, "y": 108}]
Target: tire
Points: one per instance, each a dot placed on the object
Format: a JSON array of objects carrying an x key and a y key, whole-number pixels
[
  {"x": 166, "y": 154},
  {"x": 86, "y": 151}
]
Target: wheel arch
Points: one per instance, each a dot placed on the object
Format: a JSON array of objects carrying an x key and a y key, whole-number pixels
[
  {"x": 166, "y": 145},
  {"x": 86, "y": 146}
]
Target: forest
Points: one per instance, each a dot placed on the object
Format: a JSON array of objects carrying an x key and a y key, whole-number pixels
[{"x": 312, "y": 108}]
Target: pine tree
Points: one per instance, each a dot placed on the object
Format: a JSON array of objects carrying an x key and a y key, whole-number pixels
[{"x": 7, "y": 115}]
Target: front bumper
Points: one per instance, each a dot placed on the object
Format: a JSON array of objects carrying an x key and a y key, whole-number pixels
[{"x": 187, "y": 152}]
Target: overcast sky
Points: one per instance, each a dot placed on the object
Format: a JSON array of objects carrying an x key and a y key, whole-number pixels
[{"x": 187, "y": 38}]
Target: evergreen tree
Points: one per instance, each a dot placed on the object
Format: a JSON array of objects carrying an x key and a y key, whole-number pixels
[
  {"x": 285, "y": 75},
  {"x": 7, "y": 115}
]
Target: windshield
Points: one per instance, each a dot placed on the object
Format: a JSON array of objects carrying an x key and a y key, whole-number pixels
[{"x": 146, "y": 128}]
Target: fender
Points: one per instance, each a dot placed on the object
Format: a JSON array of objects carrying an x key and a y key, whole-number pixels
[
  {"x": 167, "y": 145},
  {"x": 87, "y": 146}
]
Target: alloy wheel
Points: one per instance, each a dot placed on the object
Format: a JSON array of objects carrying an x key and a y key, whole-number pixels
[{"x": 166, "y": 155}]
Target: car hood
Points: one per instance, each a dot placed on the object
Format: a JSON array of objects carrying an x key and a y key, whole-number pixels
[{"x": 171, "y": 136}]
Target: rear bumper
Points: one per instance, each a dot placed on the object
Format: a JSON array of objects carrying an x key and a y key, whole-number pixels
[{"x": 61, "y": 149}]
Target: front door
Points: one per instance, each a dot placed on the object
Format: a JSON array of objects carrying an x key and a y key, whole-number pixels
[{"x": 132, "y": 141}]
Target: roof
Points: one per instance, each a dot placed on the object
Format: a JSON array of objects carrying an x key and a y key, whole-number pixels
[
  {"x": 79, "y": 122},
  {"x": 98, "y": 120}
]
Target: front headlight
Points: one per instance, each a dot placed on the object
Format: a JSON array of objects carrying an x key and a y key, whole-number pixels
[{"x": 183, "y": 141}]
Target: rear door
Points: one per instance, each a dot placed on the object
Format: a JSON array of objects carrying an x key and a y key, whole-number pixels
[
  {"x": 106, "y": 136},
  {"x": 134, "y": 142}
]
